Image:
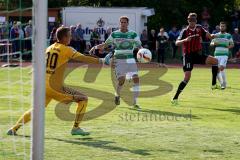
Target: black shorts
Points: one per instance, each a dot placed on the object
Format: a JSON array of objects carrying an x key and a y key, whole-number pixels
[{"x": 193, "y": 58}]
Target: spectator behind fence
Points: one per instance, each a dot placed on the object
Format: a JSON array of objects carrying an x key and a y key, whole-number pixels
[
  {"x": 108, "y": 33},
  {"x": 236, "y": 40},
  {"x": 173, "y": 35},
  {"x": 1, "y": 32},
  {"x": 14, "y": 34},
  {"x": 2, "y": 48},
  {"x": 217, "y": 29},
  {"x": 28, "y": 41},
  {"x": 110, "y": 47},
  {"x": 205, "y": 15},
  {"x": 235, "y": 20},
  {"x": 53, "y": 37},
  {"x": 5, "y": 30},
  {"x": 81, "y": 43},
  {"x": 206, "y": 41},
  {"x": 144, "y": 38},
  {"x": 161, "y": 45},
  {"x": 21, "y": 36},
  {"x": 28, "y": 29},
  {"x": 73, "y": 42},
  {"x": 152, "y": 42},
  {"x": 95, "y": 38},
  {"x": 4, "y": 36}
]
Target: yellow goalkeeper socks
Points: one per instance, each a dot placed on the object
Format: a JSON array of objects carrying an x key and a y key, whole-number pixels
[
  {"x": 82, "y": 105},
  {"x": 25, "y": 118}
]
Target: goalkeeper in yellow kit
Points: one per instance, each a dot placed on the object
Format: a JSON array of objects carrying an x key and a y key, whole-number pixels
[{"x": 57, "y": 56}]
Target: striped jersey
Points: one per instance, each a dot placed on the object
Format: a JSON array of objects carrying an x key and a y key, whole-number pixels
[
  {"x": 222, "y": 40},
  {"x": 124, "y": 43},
  {"x": 194, "y": 45}
]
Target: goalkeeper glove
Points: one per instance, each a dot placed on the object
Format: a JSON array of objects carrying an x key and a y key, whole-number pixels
[{"x": 107, "y": 59}]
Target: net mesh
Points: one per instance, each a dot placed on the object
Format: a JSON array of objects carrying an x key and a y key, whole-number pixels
[{"x": 16, "y": 82}]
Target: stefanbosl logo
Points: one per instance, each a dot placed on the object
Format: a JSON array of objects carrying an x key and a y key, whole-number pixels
[
  {"x": 150, "y": 78},
  {"x": 100, "y": 22}
]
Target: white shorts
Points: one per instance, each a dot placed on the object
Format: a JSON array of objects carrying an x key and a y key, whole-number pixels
[
  {"x": 222, "y": 60},
  {"x": 126, "y": 68}
]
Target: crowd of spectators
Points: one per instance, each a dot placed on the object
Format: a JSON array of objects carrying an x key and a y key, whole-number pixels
[
  {"x": 16, "y": 38},
  {"x": 160, "y": 41}
]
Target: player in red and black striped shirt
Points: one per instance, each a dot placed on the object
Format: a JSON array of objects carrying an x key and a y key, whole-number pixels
[{"x": 191, "y": 38}]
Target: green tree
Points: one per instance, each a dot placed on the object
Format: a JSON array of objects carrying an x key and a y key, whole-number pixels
[{"x": 168, "y": 12}]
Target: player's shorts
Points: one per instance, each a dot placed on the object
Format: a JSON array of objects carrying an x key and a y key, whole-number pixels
[
  {"x": 125, "y": 67},
  {"x": 193, "y": 58},
  {"x": 65, "y": 94},
  {"x": 222, "y": 60}
]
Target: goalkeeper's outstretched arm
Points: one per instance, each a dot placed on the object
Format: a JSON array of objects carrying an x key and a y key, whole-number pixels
[
  {"x": 86, "y": 58},
  {"x": 100, "y": 46}
]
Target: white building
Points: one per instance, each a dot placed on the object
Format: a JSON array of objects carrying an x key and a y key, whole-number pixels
[{"x": 102, "y": 18}]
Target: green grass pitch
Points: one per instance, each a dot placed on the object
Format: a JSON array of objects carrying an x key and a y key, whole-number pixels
[{"x": 204, "y": 126}]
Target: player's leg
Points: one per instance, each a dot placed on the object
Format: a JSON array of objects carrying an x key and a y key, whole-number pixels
[
  {"x": 25, "y": 118},
  {"x": 219, "y": 76},
  {"x": 211, "y": 60},
  {"x": 214, "y": 62},
  {"x": 81, "y": 109},
  {"x": 187, "y": 68},
  {"x": 81, "y": 99},
  {"x": 182, "y": 85},
  {"x": 222, "y": 66},
  {"x": 120, "y": 71},
  {"x": 135, "y": 90},
  {"x": 120, "y": 83},
  {"x": 223, "y": 77},
  {"x": 133, "y": 70},
  {"x": 71, "y": 95}
]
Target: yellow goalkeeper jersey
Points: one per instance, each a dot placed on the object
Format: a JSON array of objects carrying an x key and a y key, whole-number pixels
[{"x": 57, "y": 57}]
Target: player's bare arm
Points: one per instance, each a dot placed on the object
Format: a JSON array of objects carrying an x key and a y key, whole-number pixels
[
  {"x": 213, "y": 43},
  {"x": 180, "y": 42},
  {"x": 100, "y": 46},
  {"x": 209, "y": 36},
  {"x": 231, "y": 46}
]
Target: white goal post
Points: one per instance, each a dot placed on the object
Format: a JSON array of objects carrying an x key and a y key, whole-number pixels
[{"x": 39, "y": 14}]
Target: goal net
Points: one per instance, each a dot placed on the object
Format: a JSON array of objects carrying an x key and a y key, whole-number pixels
[{"x": 22, "y": 76}]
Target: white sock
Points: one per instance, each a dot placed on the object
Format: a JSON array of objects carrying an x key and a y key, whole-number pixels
[
  {"x": 136, "y": 89},
  {"x": 224, "y": 77},
  {"x": 118, "y": 90},
  {"x": 219, "y": 77}
]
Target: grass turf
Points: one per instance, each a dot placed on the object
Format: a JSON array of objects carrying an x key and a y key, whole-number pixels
[{"x": 205, "y": 125}]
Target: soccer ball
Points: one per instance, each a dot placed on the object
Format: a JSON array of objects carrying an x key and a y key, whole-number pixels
[{"x": 144, "y": 55}]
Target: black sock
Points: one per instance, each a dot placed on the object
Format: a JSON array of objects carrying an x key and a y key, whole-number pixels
[
  {"x": 214, "y": 74},
  {"x": 181, "y": 86}
]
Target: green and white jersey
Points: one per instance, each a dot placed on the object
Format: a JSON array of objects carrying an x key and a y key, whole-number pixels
[
  {"x": 223, "y": 40},
  {"x": 124, "y": 43}
]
